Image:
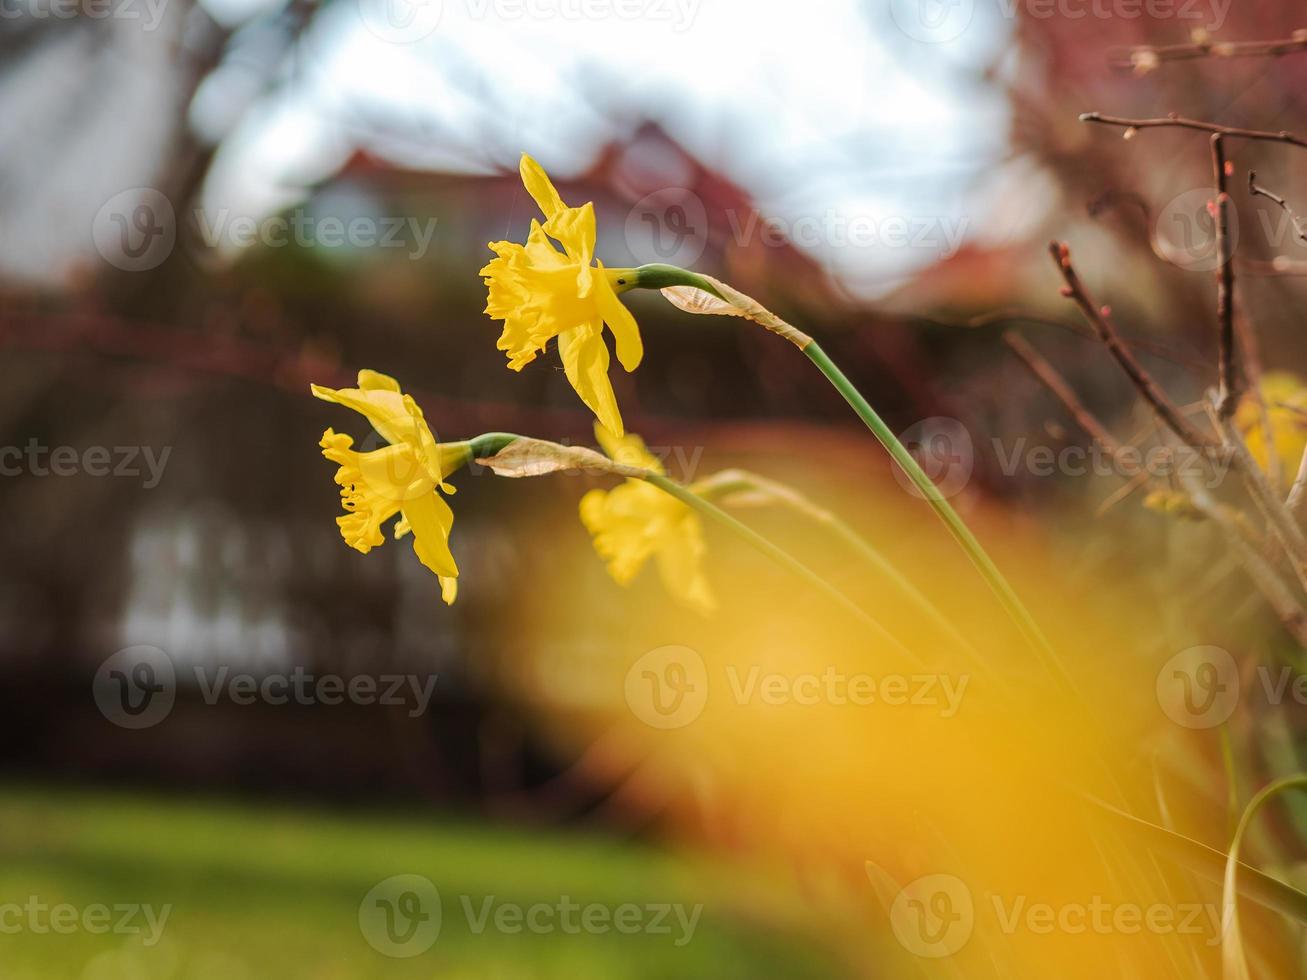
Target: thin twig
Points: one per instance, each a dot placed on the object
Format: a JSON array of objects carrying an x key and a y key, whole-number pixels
[
  {"x": 1221, "y": 169},
  {"x": 1141, "y": 479},
  {"x": 1142, "y": 380},
  {"x": 1257, "y": 191},
  {"x": 1055, "y": 383},
  {"x": 1180, "y": 122},
  {"x": 1146, "y": 57}
]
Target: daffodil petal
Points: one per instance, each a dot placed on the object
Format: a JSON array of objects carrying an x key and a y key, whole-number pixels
[
  {"x": 383, "y": 408},
  {"x": 431, "y": 520},
  {"x": 540, "y": 187},
  {"x": 585, "y": 362},
  {"x": 374, "y": 486},
  {"x": 448, "y": 589},
  {"x": 574, "y": 228},
  {"x": 376, "y": 381},
  {"x": 620, "y": 541},
  {"x": 680, "y": 551},
  {"x": 620, "y": 320}
]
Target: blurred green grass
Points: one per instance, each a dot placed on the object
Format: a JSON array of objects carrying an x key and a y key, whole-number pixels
[{"x": 275, "y": 891}]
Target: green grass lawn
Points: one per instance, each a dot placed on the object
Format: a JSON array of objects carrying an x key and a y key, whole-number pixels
[{"x": 276, "y": 892}]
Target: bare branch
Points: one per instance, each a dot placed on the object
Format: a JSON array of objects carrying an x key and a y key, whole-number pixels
[
  {"x": 1222, "y": 168},
  {"x": 1048, "y": 374},
  {"x": 1145, "y": 58},
  {"x": 1098, "y": 318},
  {"x": 1257, "y": 191},
  {"x": 1180, "y": 122}
]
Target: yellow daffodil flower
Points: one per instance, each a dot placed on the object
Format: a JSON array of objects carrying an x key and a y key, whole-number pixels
[
  {"x": 1286, "y": 407},
  {"x": 400, "y": 479},
  {"x": 636, "y": 521},
  {"x": 541, "y": 292}
]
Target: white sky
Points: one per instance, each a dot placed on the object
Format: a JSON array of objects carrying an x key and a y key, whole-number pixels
[{"x": 826, "y": 111}]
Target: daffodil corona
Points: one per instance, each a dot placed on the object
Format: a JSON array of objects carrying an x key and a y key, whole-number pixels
[
  {"x": 636, "y": 521},
  {"x": 541, "y": 293},
  {"x": 401, "y": 479}
]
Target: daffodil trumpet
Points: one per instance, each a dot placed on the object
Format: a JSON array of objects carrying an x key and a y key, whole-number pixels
[
  {"x": 696, "y": 293},
  {"x": 554, "y": 288}
]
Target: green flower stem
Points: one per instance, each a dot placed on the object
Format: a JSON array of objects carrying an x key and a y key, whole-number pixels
[
  {"x": 776, "y": 554},
  {"x": 939, "y": 503},
  {"x": 489, "y": 443},
  {"x": 663, "y": 276},
  {"x": 735, "y": 481},
  {"x": 657, "y": 276}
]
